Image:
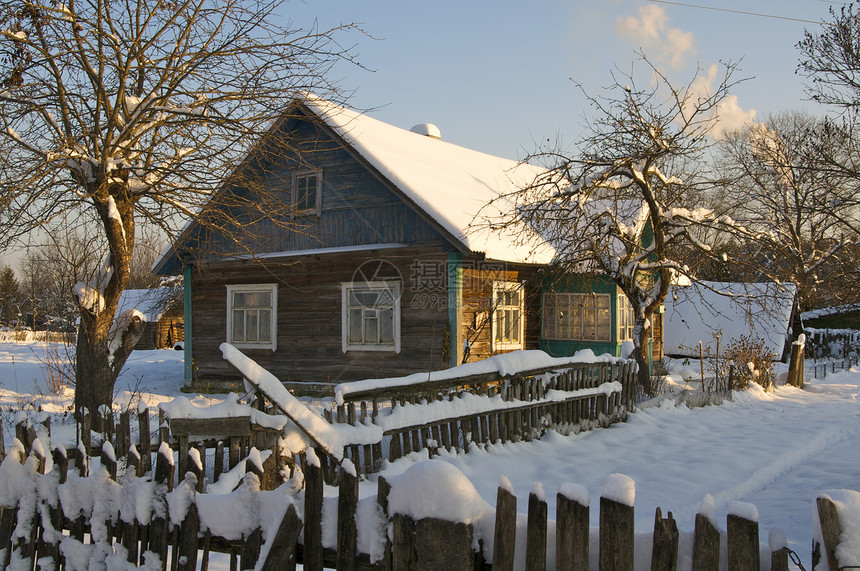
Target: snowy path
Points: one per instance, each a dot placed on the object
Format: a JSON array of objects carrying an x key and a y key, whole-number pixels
[{"x": 776, "y": 451}]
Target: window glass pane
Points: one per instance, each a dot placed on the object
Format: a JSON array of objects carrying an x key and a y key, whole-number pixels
[
  {"x": 371, "y": 327},
  {"x": 354, "y": 325},
  {"x": 265, "y": 325},
  {"x": 251, "y": 325},
  {"x": 588, "y": 321},
  {"x": 239, "y": 299},
  {"x": 305, "y": 192},
  {"x": 386, "y": 326},
  {"x": 576, "y": 311},
  {"x": 238, "y": 326},
  {"x": 514, "y": 332}
]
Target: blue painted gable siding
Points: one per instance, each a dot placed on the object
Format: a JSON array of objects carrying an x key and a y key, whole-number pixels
[{"x": 357, "y": 208}]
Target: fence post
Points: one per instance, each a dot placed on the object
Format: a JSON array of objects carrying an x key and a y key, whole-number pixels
[
  {"x": 188, "y": 541},
  {"x": 145, "y": 440},
  {"x": 383, "y": 488},
  {"x": 536, "y": 530},
  {"x": 778, "y": 550},
  {"x": 664, "y": 550},
  {"x": 571, "y": 532},
  {"x": 706, "y": 545},
  {"x": 742, "y": 539},
  {"x": 504, "y": 542},
  {"x": 831, "y": 528},
  {"x": 616, "y": 526},
  {"x": 283, "y": 551},
  {"x": 313, "y": 552},
  {"x": 8, "y": 517},
  {"x": 403, "y": 555},
  {"x": 795, "y": 366},
  {"x": 347, "y": 502},
  {"x": 164, "y": 472}
]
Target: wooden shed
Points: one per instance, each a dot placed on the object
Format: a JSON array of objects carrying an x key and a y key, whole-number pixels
[{"x": 163, "y": 315}]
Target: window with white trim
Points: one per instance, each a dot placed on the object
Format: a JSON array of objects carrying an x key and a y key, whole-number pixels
[
  {"x": 307, "y": 191},
  {"x": 252, "y": 315},
  {"x": 508, "y": 315},
  {"x": 371, "y": 316},
  {"x": 576, "y": 316},
  {"x": 625, "y": 318}
]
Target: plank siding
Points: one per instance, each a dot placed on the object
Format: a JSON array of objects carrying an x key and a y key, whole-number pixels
[
  {"x": 309, "y": 317},
  {"x": 477, "y": 306}
]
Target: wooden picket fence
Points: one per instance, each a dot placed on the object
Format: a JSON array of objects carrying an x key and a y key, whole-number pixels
[{"x": 181, "y": 535}]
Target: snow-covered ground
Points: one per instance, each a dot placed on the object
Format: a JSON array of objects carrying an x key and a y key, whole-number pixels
[{"x": 775, "y": 450}]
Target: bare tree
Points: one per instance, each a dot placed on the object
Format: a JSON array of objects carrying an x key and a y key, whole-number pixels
[
  {"x": 830, "y": 60},
  {"x": 795, "y": 207},
  {"x": 122, "y": 112},
  {"x": 629, "y": 199}
]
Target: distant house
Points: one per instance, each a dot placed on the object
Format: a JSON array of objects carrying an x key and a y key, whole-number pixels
[
  {"x": 388, "y": 276},
  {"x": 703, "y": 310},
  {"x": 839, "y": 317},
  {"x": 162, "y": 313}
]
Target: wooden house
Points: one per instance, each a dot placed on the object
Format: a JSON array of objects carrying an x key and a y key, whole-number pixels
[{"x": 389, "y": 275}]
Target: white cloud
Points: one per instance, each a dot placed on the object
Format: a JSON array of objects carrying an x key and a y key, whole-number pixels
[
  {"x": 730, "y": 115},
  {"x": 650, "y": 31}
]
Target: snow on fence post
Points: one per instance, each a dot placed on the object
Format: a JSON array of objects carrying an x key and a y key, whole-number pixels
[
  {"x": 572, "y": 529},
  {"x": 312, "y": 544},
  {"x": 742, "y": 537},
  {"x": 616, "y": 524},
  {"x": 505, "y": 534},
  {"x": 664, "y": 549},
  {"x": 536, "y": 534}
]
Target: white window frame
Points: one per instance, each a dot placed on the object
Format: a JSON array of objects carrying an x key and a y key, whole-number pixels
[
  {"x": 273, "y": 322},
  {"x": 568, "y": 302},
  {"x": 500, "y": 311},
  {"x": 346, "y": 287},
  {"x": 625, "y": 318},
  {"x": 294, "y": 197}
]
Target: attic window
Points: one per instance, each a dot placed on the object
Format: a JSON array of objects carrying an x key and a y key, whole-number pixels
[{"x": 307, "y": 191}]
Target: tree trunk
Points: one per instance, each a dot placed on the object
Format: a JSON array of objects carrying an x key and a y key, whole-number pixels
[
  {"x": 641, "y": 335},
  {"x": 94, "y": 379},
  {"x": 96, "y": 369}
]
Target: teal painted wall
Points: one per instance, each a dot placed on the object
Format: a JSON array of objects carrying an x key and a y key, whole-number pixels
[{"x": 584, "y": 284}]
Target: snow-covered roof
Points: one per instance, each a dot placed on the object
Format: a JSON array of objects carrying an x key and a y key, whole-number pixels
[
  {"x": 152, "y": 303},
  {"x": 450, "y": 183},
  {"x": 699, "y": 311}
]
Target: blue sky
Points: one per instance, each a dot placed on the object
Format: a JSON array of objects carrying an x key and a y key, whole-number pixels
[{"x": 497, "y": 76}]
